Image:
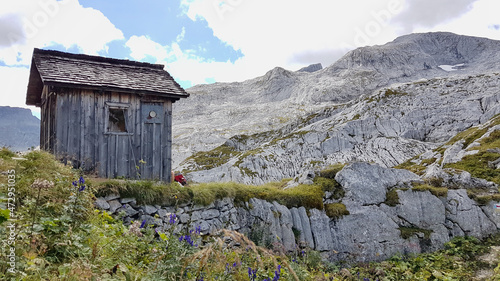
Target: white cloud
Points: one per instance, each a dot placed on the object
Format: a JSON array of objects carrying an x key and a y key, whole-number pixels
[
  {"x": 28, "y": 24},
  {"x": 182, "y": 64},
  {"x": 477, "y": 21},
  {"x": 292, "y": 34},
  {"x": 279, "y": 31},
  {"x": 429, "y": 13},
  {"x": 14, "y": 86},
  {"x": 48, "y": 22}
]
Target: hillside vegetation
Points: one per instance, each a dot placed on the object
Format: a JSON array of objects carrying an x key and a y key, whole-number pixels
[{"x": 58, "y": 235}]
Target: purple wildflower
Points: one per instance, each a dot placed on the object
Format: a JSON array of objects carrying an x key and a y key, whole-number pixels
[
  {"x": 82, "y": 188},
  {"x": 252, "y": 274},
  {"x": 172, "y": 219},
  {"x": 143, "y": 224},
  {"x": 82, "y": 181},
  {"x": 188, "y": 239},
  {"x": 75, "y": 183}
]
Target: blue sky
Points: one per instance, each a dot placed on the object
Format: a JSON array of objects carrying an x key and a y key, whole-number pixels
[{"x": 206, "y": 41}]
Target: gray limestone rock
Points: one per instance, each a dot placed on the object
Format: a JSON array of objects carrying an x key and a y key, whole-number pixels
[
  {"x": 286, "y": 223},
  {"x": 111, "y": 197},
  {"x": 148, "y": 209},
  {"x": 210, "y": 214},
  {"x": 196, "y": 215},
  {"x": 163, "y": 213},
  {"x": 302, "y": 224},
  {"x": 467, "y": 215},
  {"x": 366, "y": 234},
  {"x": 367, "y": 184},
  {"x": 492, "y": 211},
  {"x": 101, "y": 204},
  {"x": 114, "y": 205},
  {"x": 420, "y": 209},
  {"x": 320, "y": 227},
  {"x": 129, "y": 210},
  {"x": 128, "y": 200},
  {"x": 184, "y": 218}
]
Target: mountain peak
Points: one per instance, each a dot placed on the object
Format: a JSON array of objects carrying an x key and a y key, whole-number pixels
[{"x": 311, "y": 68}]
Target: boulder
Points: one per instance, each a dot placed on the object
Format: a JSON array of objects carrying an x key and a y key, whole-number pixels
[{"x": 367, "y": 184}]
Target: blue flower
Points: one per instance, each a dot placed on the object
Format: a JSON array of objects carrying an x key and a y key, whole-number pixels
[
  {"x": 75, "y": 183},
  {"x": 82, "y": 188},
  {"x": 188, "y": 239},
  {"x": 172, "y": 219},
  {"x": 252, "y": 274},
  {"x": 143, "y": 224},
  {"x": 180, "y": 238},
  {"x": 82, "y": 181}
]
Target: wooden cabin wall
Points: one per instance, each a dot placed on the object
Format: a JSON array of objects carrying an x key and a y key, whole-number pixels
[{"x": 83, "y": 140}]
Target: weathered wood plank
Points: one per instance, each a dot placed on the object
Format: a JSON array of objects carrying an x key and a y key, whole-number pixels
[
  {"x": 102, "y": 138},
  {"x": 168, "y": 143}
]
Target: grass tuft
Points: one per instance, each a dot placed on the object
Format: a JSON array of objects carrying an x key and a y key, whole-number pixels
[
  {"x": 392, "y": 198},
  {"x": 436, "y": 191},
  {"x": 336, "y": 210},
  {"x": 408, "y": 232}
]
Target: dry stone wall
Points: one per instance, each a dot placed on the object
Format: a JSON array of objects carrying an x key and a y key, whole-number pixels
[{"x": 372, "y": 230}]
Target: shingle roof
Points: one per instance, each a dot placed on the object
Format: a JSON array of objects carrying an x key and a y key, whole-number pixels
[{"x": 83, "y": 71}]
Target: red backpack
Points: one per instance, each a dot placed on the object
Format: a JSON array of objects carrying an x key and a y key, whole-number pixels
[{"x": 180, "y": 179}]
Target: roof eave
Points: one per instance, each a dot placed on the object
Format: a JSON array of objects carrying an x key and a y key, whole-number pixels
[
  {"x": 116, "y": 89},
  {"x": 35, "y": 86}
]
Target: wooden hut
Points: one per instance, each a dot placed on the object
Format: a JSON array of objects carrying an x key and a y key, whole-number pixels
[{"x": 108, "y": 116}]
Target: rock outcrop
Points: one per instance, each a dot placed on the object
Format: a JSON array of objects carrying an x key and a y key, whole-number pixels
[
  {"x": 388, "y": 127},
  {"x": 217, "y": 112},
  {"x": 311, "y": 68},
  {"x": 374, "y": 229}
]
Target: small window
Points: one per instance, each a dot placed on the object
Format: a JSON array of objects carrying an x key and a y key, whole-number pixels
[{"x": 116, "y": 120}]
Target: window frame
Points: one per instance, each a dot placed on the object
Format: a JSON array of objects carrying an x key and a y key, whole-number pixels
[{"x": 123, "y": 106}]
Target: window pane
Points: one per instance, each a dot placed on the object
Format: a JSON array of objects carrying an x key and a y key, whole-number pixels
[{"x": 116, "y": 122}]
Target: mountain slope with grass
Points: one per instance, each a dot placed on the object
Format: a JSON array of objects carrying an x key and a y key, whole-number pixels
[
  {"x": 387, "y": 127},
  {"x": 60, "y": 236}
]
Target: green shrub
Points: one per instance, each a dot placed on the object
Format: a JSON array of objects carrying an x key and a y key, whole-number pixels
[
  {"x": 5, "y": 153},
  {"x": 336, "y": 210}
]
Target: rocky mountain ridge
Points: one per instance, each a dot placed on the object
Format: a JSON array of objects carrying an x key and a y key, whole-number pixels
[
  {"x": 337, "y": 107},
  {"x": 387, "y": 127},
  {"x": 19, "y": 129}
]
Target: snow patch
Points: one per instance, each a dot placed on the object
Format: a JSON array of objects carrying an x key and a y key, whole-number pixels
[{"x": 455, "y": 67}]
